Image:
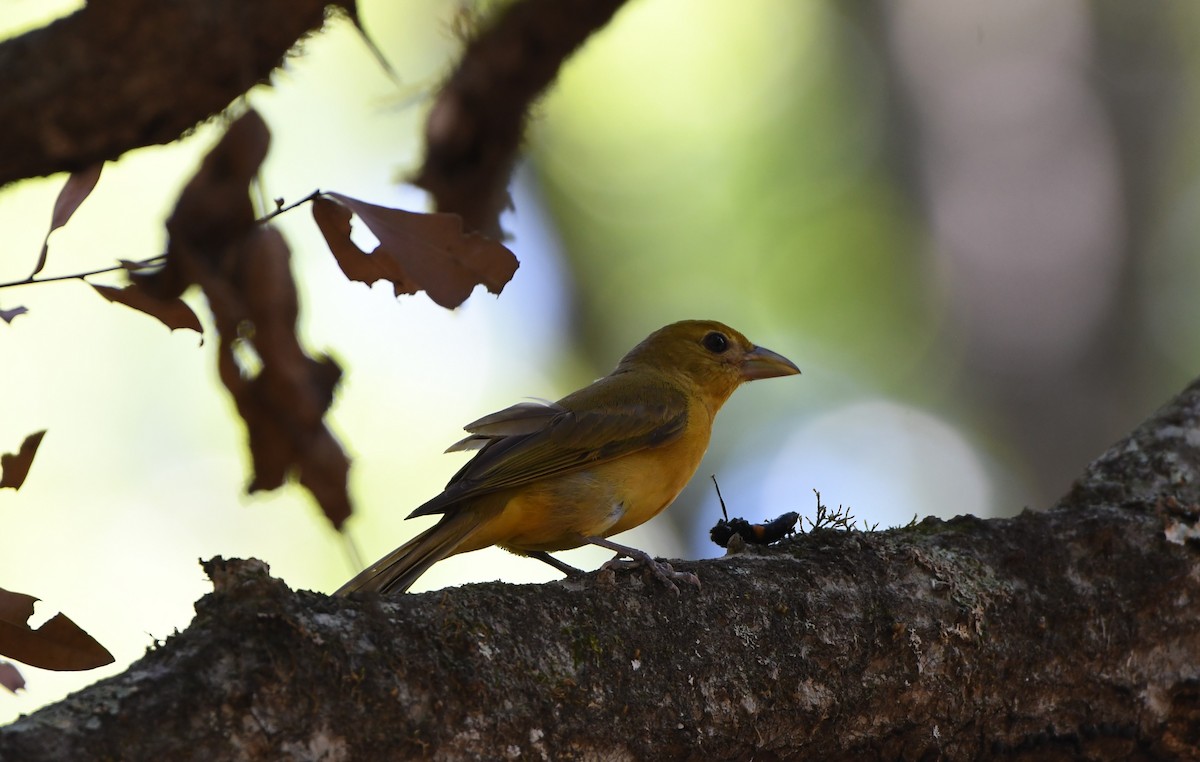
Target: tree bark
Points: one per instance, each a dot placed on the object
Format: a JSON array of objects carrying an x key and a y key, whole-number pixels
[
  {"x": 1068, "y": 634},
  {"x": 122, "y": 74}
]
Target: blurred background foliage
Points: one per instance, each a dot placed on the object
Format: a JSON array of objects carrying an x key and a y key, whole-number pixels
[{"x": 972, "y": 224}]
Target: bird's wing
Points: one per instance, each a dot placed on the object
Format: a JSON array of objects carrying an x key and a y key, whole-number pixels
[
  {"x": 522, "y": 418},
  {"x": 614, "y": 416}
]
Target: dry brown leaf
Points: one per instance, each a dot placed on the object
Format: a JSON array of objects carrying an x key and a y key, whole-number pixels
[
  {"x": 214, "y": 208},
  {"x": 333, "y": 220},
  {"x": 59, "y": 644},
  {"x": 430, "y": 252},
  {"x": 16, "y": 607},
  {"x": 173, "y": 313},
  {"x": 284, "y": 404},
  {"x": 8, "y": 315},
  {"x": 325, "y": 472},
  {"x": 10, "y": 676},
  {"x": 244, "y": 270},
  {"x": 14, "y": 468},
  {"x": 76, "y": 189}
]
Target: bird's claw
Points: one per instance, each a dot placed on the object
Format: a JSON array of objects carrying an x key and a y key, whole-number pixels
[{"x": 660, "y": 570}]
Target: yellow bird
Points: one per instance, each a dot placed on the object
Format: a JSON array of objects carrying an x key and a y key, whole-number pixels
[{"x": 599, "y": 461}]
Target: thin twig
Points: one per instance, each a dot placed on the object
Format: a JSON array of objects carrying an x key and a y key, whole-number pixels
[
  {"x": 155, "y": 260},
  {"x": 80, "y": 276},
  {"x": 718, "y": 486},
  {"x": 280, "y": 208}
]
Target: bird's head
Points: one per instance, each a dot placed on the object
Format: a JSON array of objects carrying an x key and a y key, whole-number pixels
[{"x": 711, "y": 356}]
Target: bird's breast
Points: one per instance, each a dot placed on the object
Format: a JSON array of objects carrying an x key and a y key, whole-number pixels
[{"x": 651, "y": 479}]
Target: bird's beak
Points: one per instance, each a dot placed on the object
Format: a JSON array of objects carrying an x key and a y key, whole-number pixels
[{"x": 763, "y": 363}]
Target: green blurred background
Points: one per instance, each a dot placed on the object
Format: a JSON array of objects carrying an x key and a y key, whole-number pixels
[{"x": 972, "y": 225}]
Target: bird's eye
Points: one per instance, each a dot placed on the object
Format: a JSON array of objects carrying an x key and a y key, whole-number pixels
[{"x": 715, "y": 342}]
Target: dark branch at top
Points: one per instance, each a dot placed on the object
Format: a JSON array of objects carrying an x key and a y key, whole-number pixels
[{"x": 122, "y": 74}]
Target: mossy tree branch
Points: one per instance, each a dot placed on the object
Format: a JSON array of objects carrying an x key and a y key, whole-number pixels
[{"x": 1072, "y": 633}]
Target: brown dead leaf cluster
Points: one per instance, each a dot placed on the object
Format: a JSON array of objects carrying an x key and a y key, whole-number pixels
[
  {"x": 243, "y": 268},
  {"x": 244, "y": 271},
  {"x": 58, "y": 644},
  {"x": 416, "y": 251},
  {"x": 173, "y": 313}
]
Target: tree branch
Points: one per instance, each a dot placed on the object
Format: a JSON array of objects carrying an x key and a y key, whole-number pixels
[
  {"x": 122, "y": 74},
  {"x": 1068, "y": 634},
  {"x": 475, "y": 126}
]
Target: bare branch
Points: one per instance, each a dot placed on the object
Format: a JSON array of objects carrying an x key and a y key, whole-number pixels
[
  {"x": 122, "y": 74},
  {"x": 146, "y": 263},
  {"x": 475, "y": 125}
]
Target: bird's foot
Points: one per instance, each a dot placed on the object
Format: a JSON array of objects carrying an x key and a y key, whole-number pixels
[{"x": 660, "y": 570}]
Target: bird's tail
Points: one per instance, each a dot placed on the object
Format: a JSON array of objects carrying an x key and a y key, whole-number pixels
[{"x": 398, "y": 570}]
